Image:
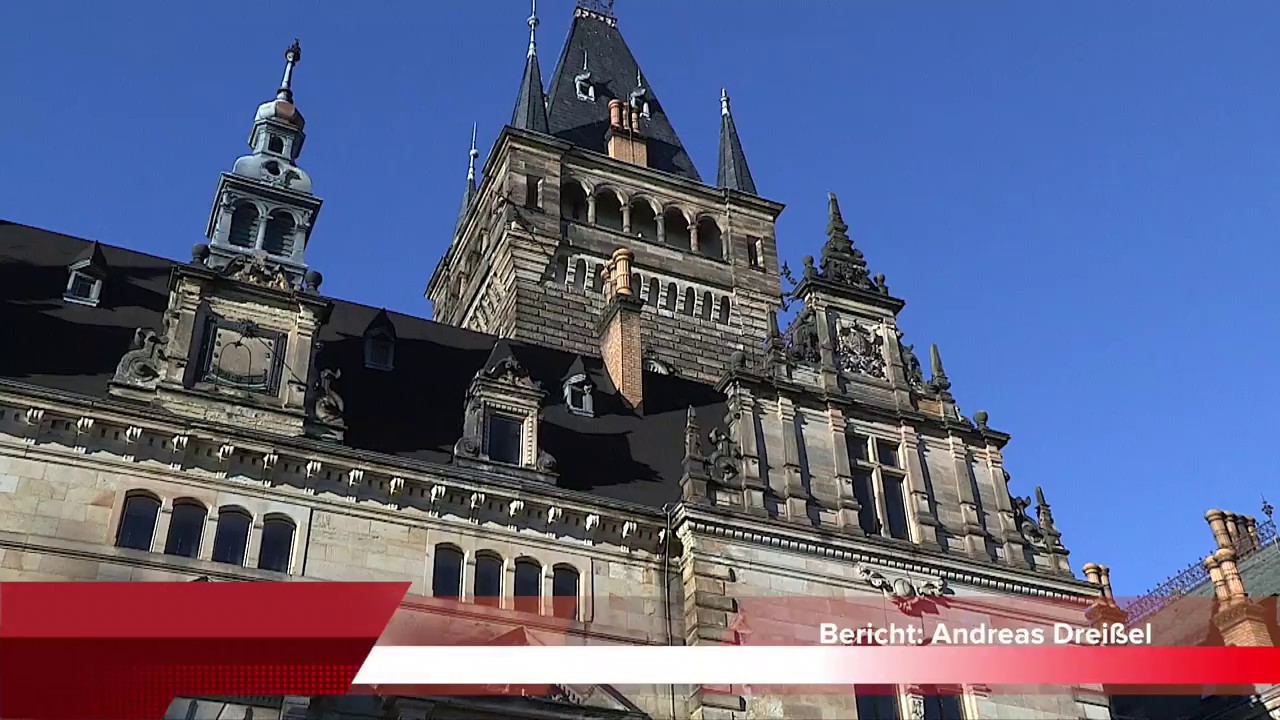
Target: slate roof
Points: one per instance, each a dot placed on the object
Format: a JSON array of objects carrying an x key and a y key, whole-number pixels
[
  {"x": 731, "y": 170},
  {"x": 413, "y": 411},
  {"x": 613, "y": 75}
]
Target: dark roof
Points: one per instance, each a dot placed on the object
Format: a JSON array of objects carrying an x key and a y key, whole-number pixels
[
  {"x": 732, "y": 171},
  {"x": 530, "y": 112},
  {"x": 613, "y": 75},
  {"x": 413, "y": 410}
]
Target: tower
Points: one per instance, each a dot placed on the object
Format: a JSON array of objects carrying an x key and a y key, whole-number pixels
[
  {"x": 592, "y": 164},
  {"x": 265, "y": 206}
]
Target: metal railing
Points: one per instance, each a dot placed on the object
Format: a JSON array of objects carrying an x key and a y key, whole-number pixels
[{"x": 1193, "y": 576}]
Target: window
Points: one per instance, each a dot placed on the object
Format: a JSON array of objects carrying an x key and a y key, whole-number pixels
[
  {"x": 878, "y": 476},
  {"x": 138, "y": 521},
  {"x": 504, "y": 438},
  {"x": 533, "y": 192},
  {"x": 887, "y": 453},
  {"x": 564, "y": 592},
  {"x": 644, "y": 222},
  {"x": 753, "y": 252},
  {"x": 528, "y": 589},
  {"x": 723, "y": 315},
  {"x": 186, "y": 525},
  {"x": 896, "y": 507},
  {"x": 877, "y": 702},
  {"x": 379, "y": 351},
  {"x": 277, "y": 544},
  {"x": 690, "y": 299},
  {"x": 862, "y": 490},
  {"x": 943, "y": 704},
  {"x": 608, "y": 210},
  {"x": 580, "y": 275},
  {"x": 82, "y": 288},
  {"x": 573, "y": 201},
  {"x": 244, "y": 221},
  {"x": 577, "y": 395},
  {"x": 655, "y": 290},
  {"x": 709, "y": 243},
  {"x": 231, "y": 536},
  {"x": 278, "y": 239},
  {"x": 673, "y": 296},
  {"x": 675, "y": 228},
  {"x": 708, "y": 305},
  {"x": 275, "y": 144},
  {"x": 488, "y": 584},
  {"x": 446, "y": 574}
]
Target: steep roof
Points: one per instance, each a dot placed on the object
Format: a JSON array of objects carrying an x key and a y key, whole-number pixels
[
  {"x": 413, "y": 410},
  {"x": 613, "y": 75}
]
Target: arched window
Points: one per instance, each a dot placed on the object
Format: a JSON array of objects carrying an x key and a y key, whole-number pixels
[
  {"x": 709, "y": 238},
  {"x": 644, "y": 223},
  {"x": 723, "y": 316},
  {"x": 690, "y": 299},
  {"x": 528, "y": 589},
  {"x": 564, "y": 592},
  {"x": 279, "y": 237},
  {"x": 597, "y": 277},
  {"x": 488, "y": 585},
  {"x": 635, "y": 284},
  {"x": 573, "y": 201},
  {"x": 277, "y": 544},
  {"x": 580, "y": 275},
  {"x": 446, "y": 574},
  {"x": 186, "y": 525},
  {"x": 655, "y": 291},
  {"x": 877, "y": 702},
  {"x": 560, "y": 271},
  {"x": 675, "y": 228},
  {"x": 232, "y": 536},
  {"x": 673, "y": 296},
  {"x": 608, "y": 210},
  {"x": 244, "y": 225},
  {"x": 708, "y": 305},
  {"x": 275, "y": 144},
  {"x": 138, "y": 521}
]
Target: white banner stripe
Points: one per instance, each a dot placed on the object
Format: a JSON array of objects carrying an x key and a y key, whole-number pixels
[{"x": 597, "y": 664}]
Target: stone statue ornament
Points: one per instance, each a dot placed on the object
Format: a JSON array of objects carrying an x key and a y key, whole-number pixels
[
  {"x": 804, "y": 345},
  {"x": 906, "y": 593},
  {"x": 140, "y": 366},
  {"x": 257, "y": 270},
  {"x": 725, "y": 457},
  {"x": 329, "y": 404},
  {"x": 910, "y": 363},
  {"x": 546, "y": 462}
]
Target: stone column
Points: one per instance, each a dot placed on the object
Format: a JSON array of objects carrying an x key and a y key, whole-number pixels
[
  {"x": 972, "y": 530},
  {"x": 895, "y": 369},
  {"x": 662, "y": 227},
  {"x": 693, "y": 235},
  {"x": 626, "y": 218},
  {"x": 591, "y": 209},
  {"x": 796, "y": 497},
  {"x": 743, "y": 430},
  {"x": 919, "y": 513},
  {"x": 467, "y": 593}
]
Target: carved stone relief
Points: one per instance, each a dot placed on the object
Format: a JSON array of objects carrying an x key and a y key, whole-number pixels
[
  {"x": 906, "y": 592},
  {"x": 859, "y": 350}
]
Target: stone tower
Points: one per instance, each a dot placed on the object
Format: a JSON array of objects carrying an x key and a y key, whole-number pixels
[
  {"x": 265, "y": 206},
  {"x": 593, "y": 164}
]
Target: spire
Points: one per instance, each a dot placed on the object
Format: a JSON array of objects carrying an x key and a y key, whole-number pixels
[
  {"x": 938, "y": 379},
  {"x": 292, "y": 57},
  {"x": 732, "y": 173},
  {"x": 531, "y": 104},
  {"x": 469, "y": 194}
]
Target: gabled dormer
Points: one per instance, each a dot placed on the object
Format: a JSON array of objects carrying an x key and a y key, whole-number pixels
[
  {"x": 85, "y": 277},
  {"x": 502, "y": 417}
]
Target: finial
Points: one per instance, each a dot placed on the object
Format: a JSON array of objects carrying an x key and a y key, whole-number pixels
[
  {"x": 533, "y": 27},
  {"x": 471, "y": 169},
  {"x": 833, "y": 205},
  {"x": 1040, "y": 496},
  {"x": 292, "y": 56},
  {"x": 1266, "y": 507},
  {"x": 724, "y": 101},
  {"x": 935, "y": 359}
]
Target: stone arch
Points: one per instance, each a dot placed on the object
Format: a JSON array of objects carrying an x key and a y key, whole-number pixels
[{"x": 609, "y": 204}]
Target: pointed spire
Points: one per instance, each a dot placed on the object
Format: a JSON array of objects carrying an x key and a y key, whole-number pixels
[
  {"x": 531, "y": 104},
  {"x": 292, "y": 57},
  {"x": 732, "y": 172},
  {"x": 935, "y": 361},
  {"x": 469, "y": 194}
]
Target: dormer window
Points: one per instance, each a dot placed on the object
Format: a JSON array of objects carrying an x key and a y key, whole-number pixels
[
  {"x": 503, "y": 439},
  {"x": 577, "y": 395},
  {"x": 84, "y": 283},
  {"x": 380, "y": 343}
]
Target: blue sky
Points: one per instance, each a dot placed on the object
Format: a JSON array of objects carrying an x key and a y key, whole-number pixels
[{"x": 1077, "y": 200}]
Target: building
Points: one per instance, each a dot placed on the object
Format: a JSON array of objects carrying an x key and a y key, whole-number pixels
[
  {"x": 1227, "y": 598},
  {"x": 605, "y": 406}
]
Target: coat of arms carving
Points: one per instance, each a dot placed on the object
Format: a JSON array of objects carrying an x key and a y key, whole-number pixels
[{"x": 860, "y": 350}]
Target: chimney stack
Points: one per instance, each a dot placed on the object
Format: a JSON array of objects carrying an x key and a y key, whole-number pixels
[
  {"x": 624, "y": 138},
  {"x": 619, "y": 329}
]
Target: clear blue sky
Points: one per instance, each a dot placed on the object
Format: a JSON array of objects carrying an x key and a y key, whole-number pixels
[{"x": 1077, "y": 200}]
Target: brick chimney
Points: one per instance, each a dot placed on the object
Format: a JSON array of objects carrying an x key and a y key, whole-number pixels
[
  {"x": 619, "y": 329},
  {"x": 624, "y": 138}
]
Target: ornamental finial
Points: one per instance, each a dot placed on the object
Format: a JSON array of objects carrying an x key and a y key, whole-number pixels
[
  {"x": 292, "y": 56},
  {"x": 533, "y": 27}
]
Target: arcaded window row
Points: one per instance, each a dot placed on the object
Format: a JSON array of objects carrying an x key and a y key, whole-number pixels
[{"x": 526, "y": 586}]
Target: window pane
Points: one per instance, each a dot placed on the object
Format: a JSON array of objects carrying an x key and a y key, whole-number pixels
[
  {"x": 488, "y": 586},
  {"x": 896, "y": 506},
  {"x": 877, "y": 702},
  {"x": 564, "y": 588},
  {"x": 528, "y": 590},
  {"x": 82, "y": 286},
  {"x": 867, "y": 500},
  {"x": 138, "y": 522},
  {"x": 277, "y": 545},
  {"x": 942, "y": 705},
  {"x": 504, "y": 439},
  {"x": 231, "y": 537},
  {"x": 857, "y": 448},
  {"x": 446, "y": 578},
  {"x": 887, "y": 453},
  {"x": 186, "y": 524}
]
